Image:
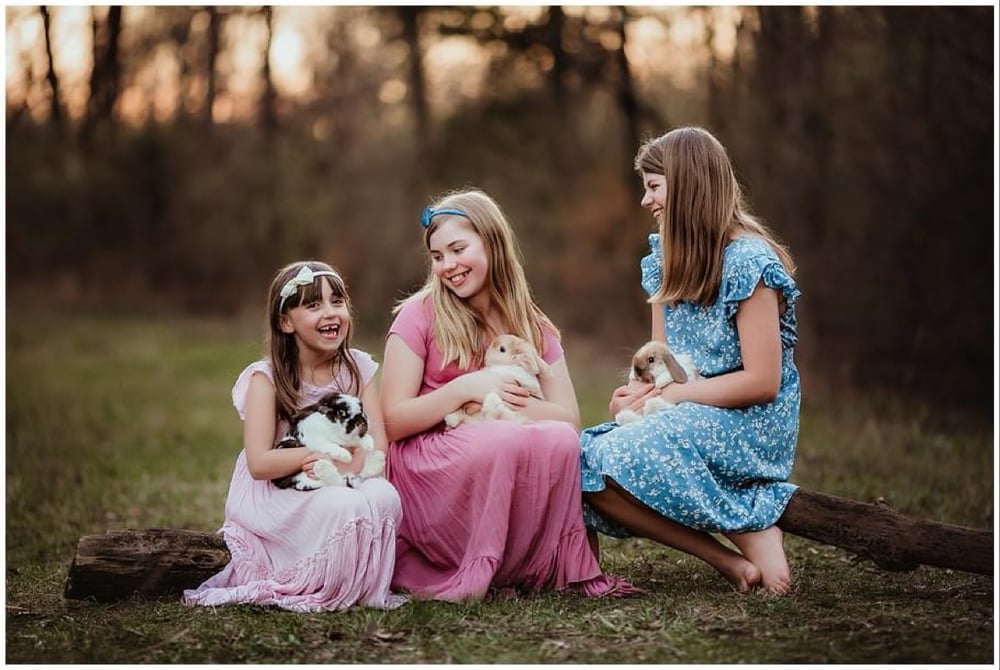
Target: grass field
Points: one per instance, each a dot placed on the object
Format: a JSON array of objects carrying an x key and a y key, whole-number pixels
[{"x": 115, "y": 422}]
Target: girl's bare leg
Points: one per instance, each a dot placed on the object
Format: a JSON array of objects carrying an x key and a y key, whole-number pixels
[
  {"x": 618, "y": 504},
  {"x": 765, "y": 549}
]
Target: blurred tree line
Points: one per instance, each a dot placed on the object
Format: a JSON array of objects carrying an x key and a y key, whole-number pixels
[{"x": 863, "y": 135}]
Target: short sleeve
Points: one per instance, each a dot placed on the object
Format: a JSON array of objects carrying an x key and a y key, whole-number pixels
[
  {"x": 367, "y": 365},
  {"x": 652, "y": 266},
  {"x": 745, "y": 267},
  {"x": 552, "y": 349},
  {"x": 413, "y": 325},
  {"x": 242, "y": 384}
]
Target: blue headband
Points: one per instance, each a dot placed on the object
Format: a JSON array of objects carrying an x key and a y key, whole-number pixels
[{"x": 429, "y": 213}]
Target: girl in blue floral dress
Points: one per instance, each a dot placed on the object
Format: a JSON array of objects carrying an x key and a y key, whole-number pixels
[{"x": 717, "y": 461}]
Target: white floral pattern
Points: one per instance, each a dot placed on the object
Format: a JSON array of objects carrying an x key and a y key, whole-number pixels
[{"x": 710, "y": 468}]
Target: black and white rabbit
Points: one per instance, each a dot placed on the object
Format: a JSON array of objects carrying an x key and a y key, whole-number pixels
[{"x": 334, "y": 424}]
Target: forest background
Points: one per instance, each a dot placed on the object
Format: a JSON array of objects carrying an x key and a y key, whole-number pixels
[
  {"x": 162, "y": 162},
  {"x": 169, "y": 159}
]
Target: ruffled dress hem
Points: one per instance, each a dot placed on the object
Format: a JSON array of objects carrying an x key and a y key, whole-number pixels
[{"x": 344, "y": 560}]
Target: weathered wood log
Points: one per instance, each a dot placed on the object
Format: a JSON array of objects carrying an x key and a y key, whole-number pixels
[
  {"x": 157, "y": 562},
  {"x": 149, "y": 562},
  {"x": 893, "y": 541}
]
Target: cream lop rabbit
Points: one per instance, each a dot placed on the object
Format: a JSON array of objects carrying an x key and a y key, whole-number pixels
[
  {"x": 514, "y": 355},
  {"x": 654, "y": 363}
]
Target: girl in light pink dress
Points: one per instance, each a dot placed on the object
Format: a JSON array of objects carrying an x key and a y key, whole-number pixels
[
  {"x": 305, "y": 551},
  {"x": 491, "y": 506}
]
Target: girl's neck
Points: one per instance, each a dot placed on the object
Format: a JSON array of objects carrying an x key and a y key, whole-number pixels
[
  {"x": 481, "y": 305},
  {"x": 317, "y": 372},
  {"x": 488, "y": 316}
]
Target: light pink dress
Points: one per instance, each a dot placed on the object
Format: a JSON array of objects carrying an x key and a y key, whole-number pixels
[
  {"x": 305, "y": 551},
  {"x": 491, "y": 503}
]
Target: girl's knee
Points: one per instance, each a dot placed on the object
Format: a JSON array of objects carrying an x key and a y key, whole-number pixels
[
  {"x": 346, "y": 500},
  {"x": 383, "y": 497},
  {"x": 560, "y": 437}
]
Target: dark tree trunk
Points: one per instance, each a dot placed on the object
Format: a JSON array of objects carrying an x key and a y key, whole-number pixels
[
  {"x": 55, "y": 108},
  {"x": 553, "y": 38},
  {"x": 817, "y": 130},
  {"x": 268, "y": 115},
  {"x": 214, "y": 28},
  {"x": 105, "y": 78},
  {"x": 627, "y": 101},
  {"x": 714, "y": 111},
  {"x": 409, "y": 17},
  {"x": 162, "y": 561},
  {"x": 105, "y": 75}
]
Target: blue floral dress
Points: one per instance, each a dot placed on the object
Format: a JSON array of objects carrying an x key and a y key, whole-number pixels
[{"x": 710, "y": 468}]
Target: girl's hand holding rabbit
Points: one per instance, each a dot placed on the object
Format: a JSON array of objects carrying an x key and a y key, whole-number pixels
[
  {"x": 476, "y": 385},
  {"x": 632, "y": 396},
  {"x": 354, "y": 467}
]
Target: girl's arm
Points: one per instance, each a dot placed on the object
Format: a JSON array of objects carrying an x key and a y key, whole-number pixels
[
  {"x": 405, "y": 413},
  {"x": 757, "y": 325},
  {"x": 259, "y": 426},
  {"x": 373, "y": 410}
]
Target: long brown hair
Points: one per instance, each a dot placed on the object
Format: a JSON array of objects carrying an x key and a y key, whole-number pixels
[
  {"x": 704, "y": 206},
  {"x": 280, "y": 347},
  {"x": 458, "y": 330}
]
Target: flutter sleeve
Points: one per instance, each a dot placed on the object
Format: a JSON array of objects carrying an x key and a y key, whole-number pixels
[
  {"x": 367, "y": 365},
  {"x": 754, "y": 263},
  {"x": 652, "y": 266},
  {"x": 242, "y": 384},
  {"x": 552, "y": 349}
]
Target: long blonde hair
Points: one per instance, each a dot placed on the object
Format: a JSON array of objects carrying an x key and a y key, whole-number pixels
[
  {"x": 459, "y": 332},
  {"x": 280, "y": 347},
  {"x": 704, "y": 205}
]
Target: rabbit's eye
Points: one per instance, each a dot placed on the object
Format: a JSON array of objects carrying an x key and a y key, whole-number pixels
[
  {"x": 650, "y": 359},
  {"x": 503, "y": 349}
]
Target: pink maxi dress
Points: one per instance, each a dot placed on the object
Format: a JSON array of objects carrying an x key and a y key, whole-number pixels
[
  {"x": 305, "y": 551},
  {"x": 490, "y": 504}
]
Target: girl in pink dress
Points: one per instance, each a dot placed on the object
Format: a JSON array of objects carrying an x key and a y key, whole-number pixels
[
  {"x": 305, "y": 551},
  {"x": 489, "y": 504}
]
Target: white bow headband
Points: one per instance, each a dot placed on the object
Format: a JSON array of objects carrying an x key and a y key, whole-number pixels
[{"x": 305, "y": 277}]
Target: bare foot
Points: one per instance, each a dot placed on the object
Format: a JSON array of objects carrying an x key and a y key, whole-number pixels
[
  {"x": 765, "y": 549},
  {"x": 741, "y": 573}
]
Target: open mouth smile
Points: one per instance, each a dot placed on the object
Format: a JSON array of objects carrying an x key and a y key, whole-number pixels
[
  {"x": 458, "y": 278},
  {"x": 331, "y": 330}
]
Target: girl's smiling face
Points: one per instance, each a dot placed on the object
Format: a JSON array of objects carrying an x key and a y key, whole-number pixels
[
  {"x": 320, "y": 325},
  {"x": 458, "y": 258},
  {"x": 654, "y": 195}
]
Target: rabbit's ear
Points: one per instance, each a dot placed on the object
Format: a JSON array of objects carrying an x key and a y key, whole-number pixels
[
  {"x": 543, "y": 367},
  {"x": 527, "y": 360},
  {"x": 675, "y": 369}
]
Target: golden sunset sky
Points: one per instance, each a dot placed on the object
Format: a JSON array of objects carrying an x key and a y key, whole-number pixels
[{"x": 664, "y": 38}]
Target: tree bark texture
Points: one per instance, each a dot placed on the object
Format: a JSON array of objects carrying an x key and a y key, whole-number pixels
[
  {"x": 158, "y": 562},
  {"x": 148, "y": 562},
  {"x": 893, "y": 541}
]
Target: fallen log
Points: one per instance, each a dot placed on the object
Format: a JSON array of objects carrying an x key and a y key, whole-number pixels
[
  {"x": 155, "y": 562},
  {"x": 891, "y": 540},
  {"x": 148, "y": 562}
]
